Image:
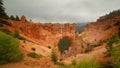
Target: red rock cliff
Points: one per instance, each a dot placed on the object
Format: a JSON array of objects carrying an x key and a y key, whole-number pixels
[
  {"x": 98, "y": 31},
  {"x": 44, "y": 34}
]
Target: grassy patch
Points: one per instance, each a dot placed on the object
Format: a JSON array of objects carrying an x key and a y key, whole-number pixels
[
  {"x": 113, "y": 39},
  {"x": 34, "y": 55},
  {"x": 85, "y": 63},
  {"x": 9, "y": 49},
  {"x": 60, "y": 65},
  {"x": 115, "y": 54}
]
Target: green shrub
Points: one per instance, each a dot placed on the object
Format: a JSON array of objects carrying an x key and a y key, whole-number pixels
[
  {"x": 21, "y": 38},
  {"x": 17, "y": 35},
  {"x": 85, "y": 63},
  {"x": 60, "y": 65},
  {"x": 63, "y": 44},
  {"x": 1, "y": 25},
  {"x": 9, "y": 49},
  {"x": 74, "y": 62},
  {"x": 34, "y": 55},
  {"x": 117, "y": 23},
  {"x": 6, "y": 31},
  {"x": 106, "y": 65},
  {"x": 112, "y": 14},
  {"x": 53, "y": 56},
  {"x": 113, "y": 39},
  {"x": 89, "y": 48},
  {"x": 115, "y": 54},
  {"x": 17, "y": 18},
  {"x": 114, "y": 51}
]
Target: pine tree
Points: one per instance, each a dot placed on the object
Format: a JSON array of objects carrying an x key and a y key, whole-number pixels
[
  {"x": 119, "y": 33},
  {"x": 2, "y": 11},
  {"x": 53, "y": 56},
  {"x": 12, "y": 17},
  {"x": 30, "y": 20},
  {"x": 17, "y": 18}
]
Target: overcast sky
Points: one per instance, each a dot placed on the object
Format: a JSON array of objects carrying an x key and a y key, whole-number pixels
[{"x": 61, "y": 10}]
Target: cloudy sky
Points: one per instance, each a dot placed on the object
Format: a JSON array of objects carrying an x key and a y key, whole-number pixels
[{"x": 61, "y": 10}]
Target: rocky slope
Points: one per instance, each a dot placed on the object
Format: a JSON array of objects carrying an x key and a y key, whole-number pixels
[
  {"x": 43, "y": 34},
  {"x": 99, "y": 31},
  {"x": 95, "y": 34},
  {"x": 93, "y": 39}
]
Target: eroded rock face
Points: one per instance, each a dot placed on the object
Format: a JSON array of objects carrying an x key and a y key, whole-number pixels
[
  {"x": 43, "y": 34},
  {"x": 23, "y": 19},
  {"x": 101, "y": 30},
  {"x": 96, "y": 33}
]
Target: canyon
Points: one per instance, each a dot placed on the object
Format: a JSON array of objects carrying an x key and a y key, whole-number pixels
[
  {"x": 49, "y": 35},
  {"x": 46, "y": 35},
  {"x": 41, "y": 38}
]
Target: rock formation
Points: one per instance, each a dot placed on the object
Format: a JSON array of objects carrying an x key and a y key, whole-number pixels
[
  {"x": 96, "y": 33},
  {"x": 43, "y": 34},
  {"x": 23, "y": 19},
  {"x": 100, "y": 31},
  {"x": 49, "y": 34}
]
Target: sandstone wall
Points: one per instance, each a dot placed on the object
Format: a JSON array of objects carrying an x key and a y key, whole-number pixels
[
  {"x": 43, "y": 34},
  {"x": 100, "y": 30}
]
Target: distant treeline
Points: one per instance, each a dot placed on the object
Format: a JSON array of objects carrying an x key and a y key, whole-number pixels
[{"x": 112, "y": 14}]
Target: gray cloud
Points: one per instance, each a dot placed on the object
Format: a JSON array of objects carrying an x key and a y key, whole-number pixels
[{"x": 61, "y": 10}]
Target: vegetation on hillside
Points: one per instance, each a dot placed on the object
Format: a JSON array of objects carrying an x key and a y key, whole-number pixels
[
  {"x": 63, "y": 44},
  {"x": 112, "y": 14},
  {"x": 115, "y": 54},
  {"x": 85, "y": 63},
  {"x": 114, "y": 51},
  {"x": 17, "y": 35},
  {"x": 34, "y": 55},
  {"x": 4, "y": 22},
  {"x": 9, "y": 49},
  {"x": 15, "y": 18},
  {"x": 54, "y": 57},
  {"x": 113, "y": 39},
  {"x": 6, "y": 31},
  {"x": 2, "y": 11},
  {"x": 89, "y": 48}
]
